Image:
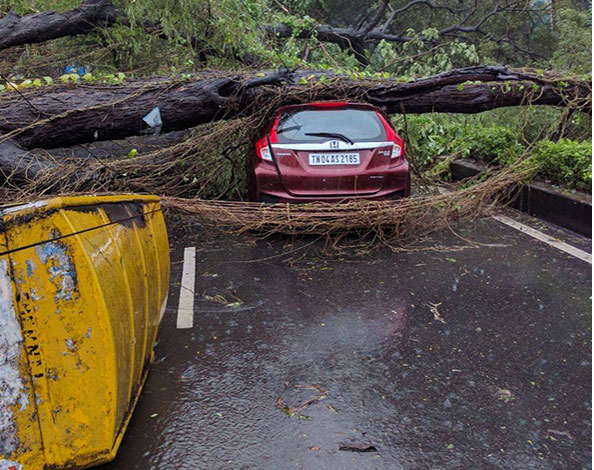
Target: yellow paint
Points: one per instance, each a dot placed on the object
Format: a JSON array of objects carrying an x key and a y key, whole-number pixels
[{"x": 90, "y": 277}]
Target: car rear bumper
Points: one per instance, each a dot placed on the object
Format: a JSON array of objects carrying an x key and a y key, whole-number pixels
[
  {"x": 268, "y": 187},
  {"x": 273, "y": 199}
]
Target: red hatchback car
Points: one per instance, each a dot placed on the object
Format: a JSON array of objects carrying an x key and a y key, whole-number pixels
[{"x": 328, "y": 151}]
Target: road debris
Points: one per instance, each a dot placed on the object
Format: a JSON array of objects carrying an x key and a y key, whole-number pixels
[
  {"x": 503, "y": 395},
  {"x": 554, "y": 432},
  {"x": 292, "y": 411},
  {"x": 435, "y": 312},
  {"x": 232, "y": 302},
  {"x": 357, "y": 448}
]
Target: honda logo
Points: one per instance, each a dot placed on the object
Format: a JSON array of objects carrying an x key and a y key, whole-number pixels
[{"x": 334, "y": 144}]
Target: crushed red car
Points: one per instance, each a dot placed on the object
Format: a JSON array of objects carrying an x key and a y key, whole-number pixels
[{"x": 328, "y": 151}]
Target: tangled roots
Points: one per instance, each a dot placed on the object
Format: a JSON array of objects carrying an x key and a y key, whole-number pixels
[{"x": 387, "y": 221}]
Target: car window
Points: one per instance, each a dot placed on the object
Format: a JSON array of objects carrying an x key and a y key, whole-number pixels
[{"x": 358, "y": 125}]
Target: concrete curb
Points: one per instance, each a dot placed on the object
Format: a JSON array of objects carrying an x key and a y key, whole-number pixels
[{"x": 573, "y": 212}]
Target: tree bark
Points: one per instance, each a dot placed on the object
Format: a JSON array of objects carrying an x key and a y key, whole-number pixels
[
  {"x": 17, "y": 164},
  {"x": 70, "y": 114},
  {"x": 16, "y": 30}
]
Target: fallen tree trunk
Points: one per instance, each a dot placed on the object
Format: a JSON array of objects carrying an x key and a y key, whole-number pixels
[
  {"x": 18, "y": 165},
  {"x": 69, "y": 114},
  {"x": 16, "y": 30}
]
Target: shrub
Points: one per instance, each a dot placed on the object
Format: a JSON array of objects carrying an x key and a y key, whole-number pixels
[
  {"x": 567, "y": 163},
  {"x": 494, "y": 144},
  {"x": 434, "y": 136},
  {"x": 429, "y": 137}
]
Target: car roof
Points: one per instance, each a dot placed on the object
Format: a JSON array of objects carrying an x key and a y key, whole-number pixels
[{"x": 329, "y": 105}]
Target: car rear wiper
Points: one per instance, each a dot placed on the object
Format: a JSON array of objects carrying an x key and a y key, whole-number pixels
[
  {"x": 331, "y": 134},
  {"x": 286, "y": 129}
]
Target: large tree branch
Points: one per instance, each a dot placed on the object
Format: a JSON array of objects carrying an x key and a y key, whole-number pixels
[
  {"x": 355, "y": 39},
  {"x": 16, "y": 30},
  {"x": 17, "y": 164},
  {"x": 64, "y": 115},
  {"x": 347, "y": 36},
  {"x": 40, "y": 27}
]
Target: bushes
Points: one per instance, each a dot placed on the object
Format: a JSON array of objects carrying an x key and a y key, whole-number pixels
[
  {"x": 567, "y": 163},
  {"x": 433, "y": 136},
  {"x": 495, "y": 144}
]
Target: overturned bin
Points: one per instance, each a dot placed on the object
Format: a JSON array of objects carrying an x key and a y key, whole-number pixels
[{"x": 83, "y": 287}]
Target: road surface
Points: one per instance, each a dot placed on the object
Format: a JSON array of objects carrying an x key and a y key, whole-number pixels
[{"x": 456, "y": 356}]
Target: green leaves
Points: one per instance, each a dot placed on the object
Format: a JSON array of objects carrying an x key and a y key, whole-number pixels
[
  {"x": 567, "y": 163},
  {"x": 69, "y": 77}
]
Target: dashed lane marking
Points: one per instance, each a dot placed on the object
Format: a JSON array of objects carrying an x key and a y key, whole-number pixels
[
  {"x": 543, "y": 237},
  {"x": 185, "y": 310}
]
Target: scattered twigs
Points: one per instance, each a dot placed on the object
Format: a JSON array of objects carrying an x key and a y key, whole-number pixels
[
  {"x": 434, "y": 310},
  {"x": 320, "y": 394}
]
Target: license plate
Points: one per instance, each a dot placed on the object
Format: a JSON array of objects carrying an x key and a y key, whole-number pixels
[{"x": 334, "y": 159}]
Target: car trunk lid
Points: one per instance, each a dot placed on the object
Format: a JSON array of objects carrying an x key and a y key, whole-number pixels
[{"x": 332, "y": 168}]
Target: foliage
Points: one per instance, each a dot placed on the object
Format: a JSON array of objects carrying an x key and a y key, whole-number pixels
[
  {"x": 574, "y": 51},
  {"x": 495, "y": 144},
  {"x": 233, "y": 29},
  {"x": 420, "y": 57},
  {"x": 434, "y": 136},
  {"x": 567, "y": 163}
]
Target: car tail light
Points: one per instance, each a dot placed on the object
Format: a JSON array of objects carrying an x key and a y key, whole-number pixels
[
  {"x": 391, "y": 136},
  {"x": 265, "y": 154},
  {"x": 396, "y": 151},
  {"x": 263, "y": 150}
]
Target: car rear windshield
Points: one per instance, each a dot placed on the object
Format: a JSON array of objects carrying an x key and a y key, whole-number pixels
[{"x": 357, "y": 125}]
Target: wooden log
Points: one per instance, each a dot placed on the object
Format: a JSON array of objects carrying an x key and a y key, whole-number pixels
[{"x": 17, "y": 164}]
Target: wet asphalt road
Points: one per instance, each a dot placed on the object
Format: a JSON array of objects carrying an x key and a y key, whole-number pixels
[{"x": 470, "y": 359}]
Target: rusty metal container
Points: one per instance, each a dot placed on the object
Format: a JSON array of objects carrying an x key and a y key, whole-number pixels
[{"x": 83, "y": 287}]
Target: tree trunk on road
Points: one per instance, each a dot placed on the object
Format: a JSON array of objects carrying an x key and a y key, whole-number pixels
[
  {"x": 70, "y": 114},
  {"x": 17, "y": 164}
]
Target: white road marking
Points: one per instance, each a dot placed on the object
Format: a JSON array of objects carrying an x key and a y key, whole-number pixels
[
  {"x": 543, "y": 237},
  {"x": 185, "y": 310}
]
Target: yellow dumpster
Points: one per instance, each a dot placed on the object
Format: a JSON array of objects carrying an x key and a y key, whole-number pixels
[{"x": 83, "y": 287}]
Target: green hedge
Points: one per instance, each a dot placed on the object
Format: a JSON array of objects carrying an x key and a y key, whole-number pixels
[
  {"x": 567, "y": 163},
  {"x": 432, "y": 136}
]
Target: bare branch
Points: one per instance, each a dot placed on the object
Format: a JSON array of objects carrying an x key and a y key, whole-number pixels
[
  {"x": 376, "y": 18},
  {"x": 395, "y": 13}
]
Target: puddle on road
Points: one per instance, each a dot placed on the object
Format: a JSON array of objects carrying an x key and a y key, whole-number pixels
[{"x": 500, "y": 379}]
